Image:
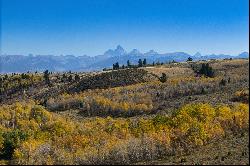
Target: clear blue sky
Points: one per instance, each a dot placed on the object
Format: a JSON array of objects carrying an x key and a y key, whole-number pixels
[{"x": 92, "y": 26}]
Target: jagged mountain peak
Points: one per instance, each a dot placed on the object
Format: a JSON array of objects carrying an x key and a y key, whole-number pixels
[
  {"x": 134, "y": 52},
  {"x": 117, "y": 52},
  {"x": 244, "y": 53},
  {"x": 151, "y": 52},
  {"x": 21, "y": 63},
  {"x": 119, "y": 47},
  {"x": 197, "y": 54}
]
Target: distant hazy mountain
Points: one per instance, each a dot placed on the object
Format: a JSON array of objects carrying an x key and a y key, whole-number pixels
[
  {"x": 21, "y": 63},
  {"x": 243, "y": 55},
  {"x": 197, "y": 55}
]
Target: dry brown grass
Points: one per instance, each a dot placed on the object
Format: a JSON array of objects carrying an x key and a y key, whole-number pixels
[{"x": 170, "y": 71}]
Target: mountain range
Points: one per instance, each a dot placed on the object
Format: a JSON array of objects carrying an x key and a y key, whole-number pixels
[{"x": 22, "y": 63}]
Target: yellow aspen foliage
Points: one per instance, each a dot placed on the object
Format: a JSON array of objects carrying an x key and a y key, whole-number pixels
[
  {"x": 24, "y": 153},
  {"x": 40, "y": 114},
  {"x": 241, "y": 115},
  {"x": 197, "y": 121},
  {"x": 162, "y": 137},
  {"x": 4, "y": 162},
  {"x": 125, "y": 106},
  {"x": 44, "y": 137},
  {"x": 215, "y": 130},
  {"x": 60, "y": 127},
  {"x": 28, "y": 125},
  {"x": 223, "y": 112},
  {"x": 49, "y": 160}
]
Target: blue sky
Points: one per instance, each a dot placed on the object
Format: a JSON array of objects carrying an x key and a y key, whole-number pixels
[{"x": 92, "y": 26}]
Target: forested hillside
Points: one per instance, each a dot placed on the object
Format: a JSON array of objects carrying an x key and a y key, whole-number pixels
[{"x": 169, "y": 113}]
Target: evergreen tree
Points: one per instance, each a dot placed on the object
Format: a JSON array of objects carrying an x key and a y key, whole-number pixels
[
  {"x": 25, "y": 76},
  {"x": 128, "y": 63},
  {"x": 64, "y": 77},
  {"x": 222, "y": 82},
  {"x": 144, "y": 62},
  {"x": 77, "y": 77},
  {"x": 70, "y": 78},
  {"x": 46, "y": 77},
  {"x": 163, "y": 77},
  {"x": 116, "y": 66},
  {"x": 140, "y": 63},
  {"x": 189, "y": 59},
  {"x": 206, "y": 70},
  {"x": 158, "y": 63}
]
